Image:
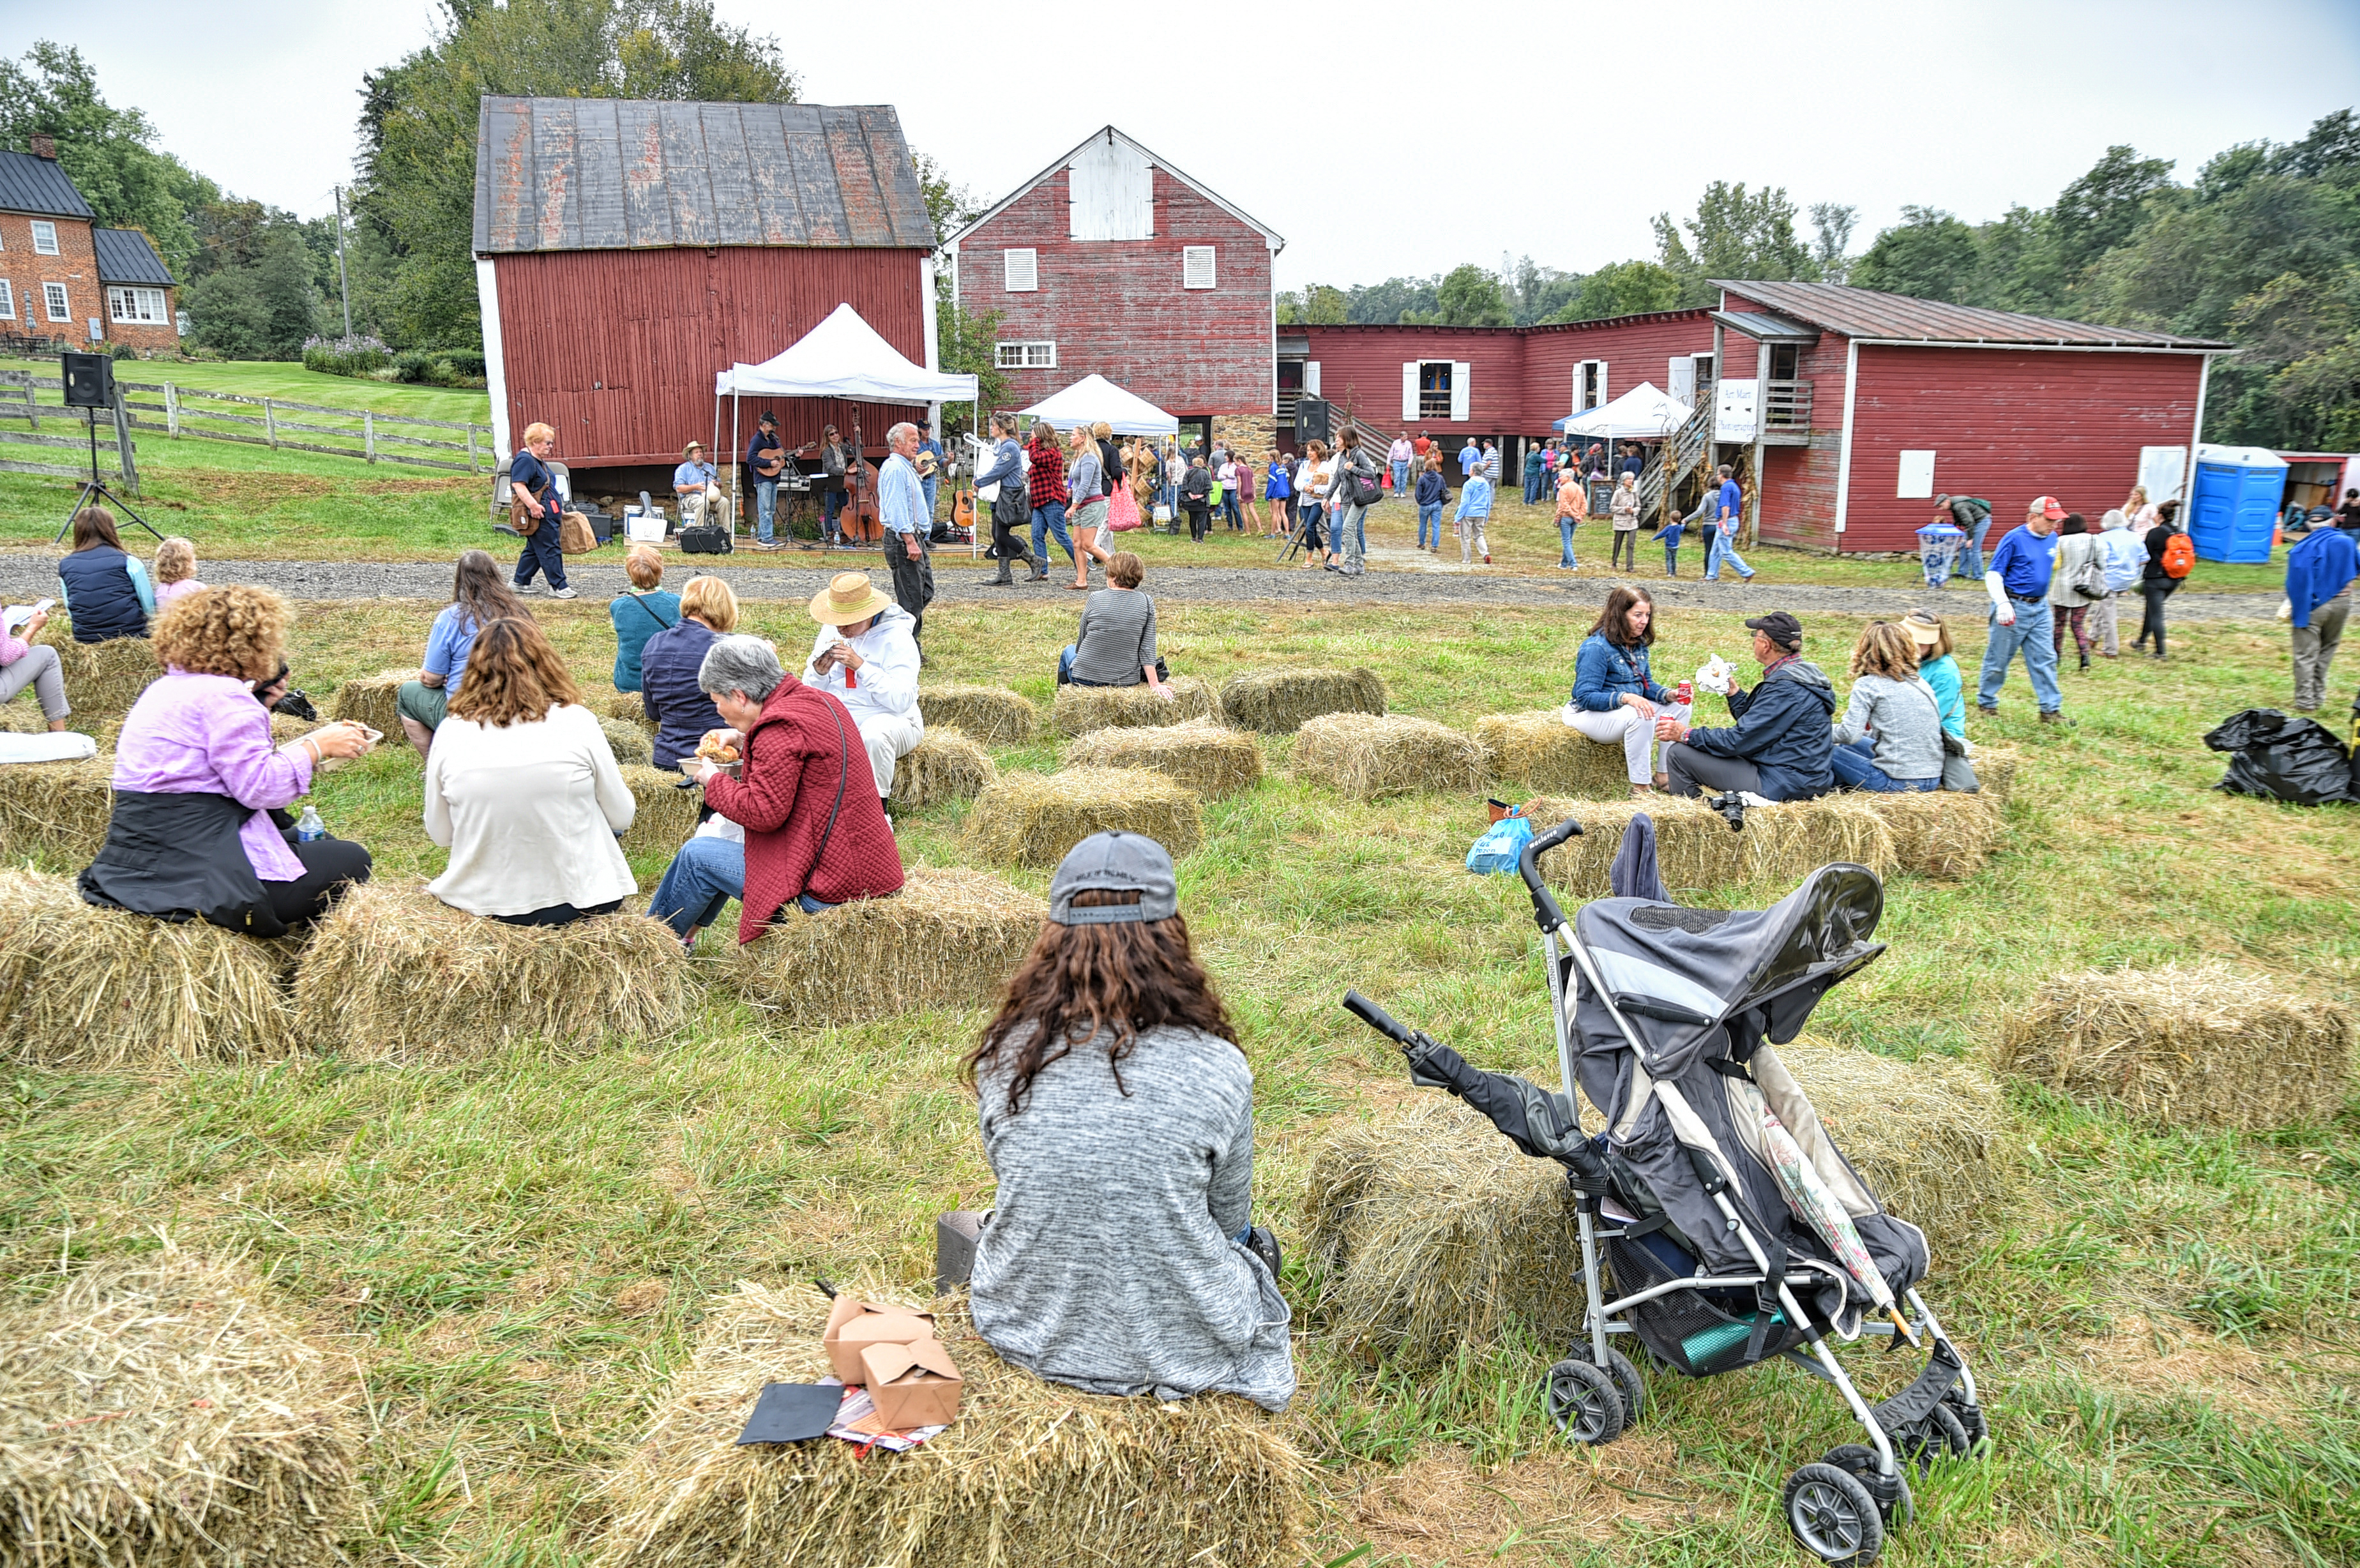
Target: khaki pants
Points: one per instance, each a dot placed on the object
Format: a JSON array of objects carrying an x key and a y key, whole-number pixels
[
  {"x": 2314, "y": 650},
  {"x": 2101, "y": 627},
  {"x": 696, "y": 503},
  {"x": 1471, "y": 542},
  {"x": 890, "y": 737}
]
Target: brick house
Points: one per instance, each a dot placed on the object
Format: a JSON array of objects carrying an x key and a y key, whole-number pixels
[
  {"x": 67, "y": 283},
  {"x": 1111, "y": 262}
]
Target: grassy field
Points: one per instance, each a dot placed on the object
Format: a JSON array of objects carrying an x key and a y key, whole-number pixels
[
  {"x": 517, "y": 1250},
  {"x": 289, "y": 380}
]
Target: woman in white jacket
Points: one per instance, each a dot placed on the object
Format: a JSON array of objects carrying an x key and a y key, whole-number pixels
[{"x": 2076, "y": 545}]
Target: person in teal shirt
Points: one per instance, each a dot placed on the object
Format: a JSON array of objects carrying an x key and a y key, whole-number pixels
[
  {"x": 639, "y": 615},
  {"x": 1938, "y": 669}
]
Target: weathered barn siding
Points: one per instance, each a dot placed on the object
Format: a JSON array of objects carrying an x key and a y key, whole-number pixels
[
  {"x": 1361, "y": 369},
  {"x": 1636, "y": 349}
]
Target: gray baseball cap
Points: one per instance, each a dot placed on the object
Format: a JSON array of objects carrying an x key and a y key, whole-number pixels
[{"x": 1118, "y": 862}]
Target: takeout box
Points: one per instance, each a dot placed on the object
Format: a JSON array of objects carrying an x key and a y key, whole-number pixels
[
  {"x": 913, "y": 1383},
  {"x": 854, "y": 1325}
]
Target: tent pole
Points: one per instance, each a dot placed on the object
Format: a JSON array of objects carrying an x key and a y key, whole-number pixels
[{"x": 736, "y": 504}]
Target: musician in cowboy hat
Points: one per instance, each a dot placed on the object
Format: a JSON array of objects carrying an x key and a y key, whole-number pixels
[{"x": 866, "y": 656}]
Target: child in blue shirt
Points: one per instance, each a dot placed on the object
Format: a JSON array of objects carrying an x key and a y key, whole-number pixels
[{"x": 1671, "y": 536}]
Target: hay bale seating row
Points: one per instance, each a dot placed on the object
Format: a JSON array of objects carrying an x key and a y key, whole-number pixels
[
  {"x": 1081, "y": 708},
  {"x": 1540, "y": 751},
  {"x": 946, "y": 766},
  {"x": 160, "y": 1410},
  {"x": 992, "y": 715},
  {"x": 1365, "y": 757},
  {"x": 1212, "y": 761},
  {"x": 951, "y": 939},
  {"x": 1033, "y": 819},
  {"x": 629, "y": 742},
  {"x": 1277, "y": 701},
  {"x": 2204, "y": 1045},
  {"x": 666, "y": 811},
  {"x": 103, "y": 679},
  {"x": 57, "y": 810},
  {"x": 370, "y": 699},
  {"x": 1030, "y": 1472},
  {"x": 1932, "y": 834}
]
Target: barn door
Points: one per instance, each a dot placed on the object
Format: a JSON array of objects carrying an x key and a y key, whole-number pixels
[{"x": 1462, "y": 380}]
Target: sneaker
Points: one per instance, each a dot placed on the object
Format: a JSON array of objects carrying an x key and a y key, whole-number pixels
[
  {"x": 562, "y": 593},
  {"x": 773, "y": 544}
]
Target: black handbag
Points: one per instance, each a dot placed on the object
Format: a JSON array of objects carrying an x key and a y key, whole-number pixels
[{"x": 1010, "y": 508}]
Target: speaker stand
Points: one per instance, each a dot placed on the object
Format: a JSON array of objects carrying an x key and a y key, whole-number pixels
[{"x": 94, "y": 489}]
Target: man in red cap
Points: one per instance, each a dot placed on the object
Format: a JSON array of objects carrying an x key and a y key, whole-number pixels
[{"x": 2017, "y": 579}]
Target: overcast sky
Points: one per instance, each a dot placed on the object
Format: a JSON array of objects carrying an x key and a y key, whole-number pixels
[{"x": 1422, "y": 136}]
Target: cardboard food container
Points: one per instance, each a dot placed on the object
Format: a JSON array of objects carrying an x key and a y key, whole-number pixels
[
  {"x": 854, "y": 1325},
  {"x": 913, "y": 1384}
]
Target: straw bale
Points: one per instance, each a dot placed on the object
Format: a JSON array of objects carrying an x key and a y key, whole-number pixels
[
  {"x": 369, "y": 699},
  {"x": 628, "y": 706},
  {"x": 1276, "y": 702},
  {"x": 2200, "y": 1045},
  {"x": 1695, "y": 851},
  {"x": 84, "y": 987},
  {"x": 1212, "y": 761},
  {"x": 1540, "y": 751},
  {"x": 1031, "y": 1473},
  {"x": 56, "y": 809},
  {"x": 284, "y": 727},
  {"x": 395, "y": 974},
  {"x": 1081, "y": 708},
  {"x": 629, "y": 742},
  {"x": 992, "y": 715},
  {"x": 946, "y": 766},
  {"x": 22, "y": 714},
  {"x": 667, "y": 812},
  {"x": 104, "y": 679},
  {"x": 158, "y": 1411},
  {"x": 1939, "y": 834},
  {"x": 1033, "y": 819},
  {"x": 949, "y": 939},
  {"x": 1996, "y": 770},
  {"x": 1433, "y": 1232},
  {"x": 1365, "y": 758}
]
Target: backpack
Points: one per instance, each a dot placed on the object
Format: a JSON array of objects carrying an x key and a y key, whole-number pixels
[{"x": 2178, "y": 556}]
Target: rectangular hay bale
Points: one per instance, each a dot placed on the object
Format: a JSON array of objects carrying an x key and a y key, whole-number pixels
[
  {"x": 992, "y": 715},
  {"x": 370, "y": 700},
  {"x": 666, "y": 812},
  {"x": 103, "y": 679},
  {"x": 1207, "y": 757},
  {"x": 57, "y": 809},
  {"x": 1081, "y": 708},
  {"x": 1276, "y": 702},
  {"x": 1033, "y": 819},
  {"x": 949, "y": 939},
  {"x": 1696, "y": 851},
  {"x": 1540, "y": 751},
  {"x": 1937, "y": 833},
  {"x": 948, "y": 765},
  {"x": 1365, "y": 757}
]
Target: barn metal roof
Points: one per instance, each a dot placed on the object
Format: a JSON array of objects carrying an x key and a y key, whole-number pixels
[
  {"x": 1866, "y": 313},
  {"x": 1763, "y": 327},
  {"x": 30, "y": 184},
  {"x": 126, "y": 256},
  {"x": 563, "y": 174}
]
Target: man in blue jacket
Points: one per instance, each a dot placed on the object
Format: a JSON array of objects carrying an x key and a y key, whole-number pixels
[
  {"x": 1781, "y": 746},
  {"x": 2319, "y": 598}
]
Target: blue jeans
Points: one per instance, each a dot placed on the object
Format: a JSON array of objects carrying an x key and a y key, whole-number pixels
[
  {"x": 1047, "y": 521},
  {"x": 1970, "y": 561},
  {"x": 1720, "y": 550},
  {"x": 1401, "y": 477},
  {"x": 1533, "y": 491},
  {"x": 702, "y": 878},
  {"x": 766, "y": 507},
  {"x": 1229, "y": 509},
  {"x": 932, "y": 486},
  {"x": 1855, "y": 771},
  {"x": 1430, "y": 514},
  {"x": 2030, "y": 633},
  {"x": 1565, "y": 536},
  {"x": 1311, "y": 514}
]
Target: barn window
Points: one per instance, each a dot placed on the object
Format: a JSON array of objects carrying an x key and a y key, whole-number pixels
[
  {"x": 7, "y": 300},
  {"x": 136, "y": 306},
  {"x": 45, "y": 238},
  {"x": 1023, "y": 270},
  {"x": 1026, "y": 356},
  {"x": 1433, "y": 389},
  {"x": 53, "y": 295},
  {"x": 1783, "y": 357},
  {"x": 1588, "y": 385},
  {"x": 1197, "y": 266}
]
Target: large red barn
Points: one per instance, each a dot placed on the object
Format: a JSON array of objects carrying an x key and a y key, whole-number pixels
[{"x": 627, "y": 252}]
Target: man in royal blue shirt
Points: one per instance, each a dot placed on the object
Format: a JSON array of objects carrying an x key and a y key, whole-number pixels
[
  {"x": 2319, "y": 601},
  {"x": 2017, "y": 579},
  {"x": 1726, "y": 507}
]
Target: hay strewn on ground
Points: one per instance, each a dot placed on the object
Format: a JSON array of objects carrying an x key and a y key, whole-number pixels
[
  {"x": 1212, "y": 761},
  {"x": 1434, "y": 1231},
  {"x": 103, "y": 679},
  {"x": 667, "y": 813},
  {"x": 1937, "y": 833},
  {"x": 1540, "y": 751},
  {"x": 84, "y": 987},
  {"x": 2200, "y": 1045},
  {"x": 1029, "y": 1474},
  {"x": 1276, "y": 702},
  {"x": 992, "y": 715},
  {"x": 1033, "y": 819},
  {"x": 950, "y": 939},
  {"x": 946, "y": 766},
  {"x": 1081, "y": 708},
  {"x": 370, "y": 699},
  {"x": 629, "y": 742},
  {"x": 157, "y": 1411},
  {"x": 1695, "y": 851},
  {"x": 56, "y": 809},
  {"x": 1365, "y": 758},
  {"x": 394, "y": 973}
]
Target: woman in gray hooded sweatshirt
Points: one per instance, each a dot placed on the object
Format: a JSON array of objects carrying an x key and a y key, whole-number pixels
[{"x": 1890, "y": 738}]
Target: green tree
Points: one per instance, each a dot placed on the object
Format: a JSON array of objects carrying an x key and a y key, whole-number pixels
[
  {"x": 2098, "y": 211},
  {"x": 1622, "y": 289},
  {"x": 1392, "y": 301},
  {"x": 262, "y": 308},
  {"x": 966, "y": 344},
  {"x": 1832, "y": 226},
  {"x": 1468, "y": 297},
  {"x": 1734, "y": 234},
  {"x": 109, "y": 153},
  {"x": 1929, "y": 255},
  {"x": 949, "y": 207},
  {"x": 1319, "y": 304}
]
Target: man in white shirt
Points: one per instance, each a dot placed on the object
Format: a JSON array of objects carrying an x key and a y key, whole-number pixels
[{"x": 867, "y": 656}]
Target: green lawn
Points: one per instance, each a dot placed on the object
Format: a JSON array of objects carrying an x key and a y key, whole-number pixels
[
  {"x": 2163, "y": 1325},
  {"x": 289, "y": 379}
]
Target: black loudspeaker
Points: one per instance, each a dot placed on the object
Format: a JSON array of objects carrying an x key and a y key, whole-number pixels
[
  {"x": 1311, "y": 420},
  {"x": 90, "y": 380}
]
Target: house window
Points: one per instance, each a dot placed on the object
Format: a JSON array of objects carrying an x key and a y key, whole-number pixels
[
  {"x": 53, "y": 295},
  {"x": 7, "y": 300},
  {"x": 45, "y": 238},
  {"x": 1195, "y": 267},
  {"x": 1020, "y": 270},
  {"x": 1026, "y": 356},
  {"x": 136, "y": 307},
  {"x": 1433, "y": 389}
]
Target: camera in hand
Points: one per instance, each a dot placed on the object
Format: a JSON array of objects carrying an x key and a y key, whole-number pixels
[{"x": 1731, "y": 804}]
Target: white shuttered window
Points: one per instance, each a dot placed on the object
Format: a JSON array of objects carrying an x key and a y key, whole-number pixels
[
  {"x": 1022, "y": 271},
  {"x": 1461, "y": 389},
  {"x": 1197, "y": 266}
]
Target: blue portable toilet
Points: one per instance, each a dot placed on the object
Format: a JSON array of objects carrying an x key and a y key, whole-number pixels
[{"x": 2233, "y": 505}]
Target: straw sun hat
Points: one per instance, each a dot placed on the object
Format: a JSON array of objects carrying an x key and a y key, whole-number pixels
[{"x": 850, "y": 597}]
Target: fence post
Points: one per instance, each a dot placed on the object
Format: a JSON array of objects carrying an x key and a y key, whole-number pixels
[
  {"x": 270, "y": 423},
  {"x": 471, "y": 449},
  {"x": 369, "y": 433},
  {"x": 171, "y": 411}
]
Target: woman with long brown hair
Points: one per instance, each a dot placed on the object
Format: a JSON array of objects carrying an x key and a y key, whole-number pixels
[
  {"x": 1616, "y": 699},
  {"x": 1118, "y": 1114},
  {"x": 479, "y": 596},
  {"x": 521, "y": 788},
  {"x": 1890, "y": 738}
]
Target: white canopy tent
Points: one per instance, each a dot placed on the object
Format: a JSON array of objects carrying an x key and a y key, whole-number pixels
[
  {"x": 1094, "y": 397},
  {"x": 1645, "y": 413},
  {"x": 844, "y": 357}
]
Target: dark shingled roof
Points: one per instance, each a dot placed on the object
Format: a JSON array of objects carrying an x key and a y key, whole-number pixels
[
  {"x": 556, "y": 174},
  {"x": 126, "y": 256},
  {"x": 1866, "y": 313},
  {"x": 29, "y": 184}
]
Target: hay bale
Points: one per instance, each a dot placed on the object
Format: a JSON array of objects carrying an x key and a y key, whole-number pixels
[
  {"x": 1033, "y": 819},
  {"x": 1996, "y": 770},
  {"x": 284, "y": 727},
  {"x": 84, "y": 987},
  {"x": 1695, "y": 851},
  {"x": 946, "y": 766},
  {"x": 2201, "y": 1045},
  {"x": 1540, "y": 751},
  {"x": 56, "y": 809},
  {"x": 1365, "y": 758},
  {"x": 158, "y": 1411},
  {"x": 629, "y": 742},
  {"x": 950, "y": 939},
  {"x": 1030, "y": 1473},
  {"x": 1937, "y": 833},
  {"x": 1276, "y": 702},
  {"x": 1081, "y": 708},
  {"x": 1212, "y": 761},
  {"x": 395, "y": 974},
  {"x": 104, "y": 679},
  {"x": 370, "y": 699},
  {"x": 992, "y": 715},
  {"x": 667, "y": 812},
  {"x": 1433, "y": 1233}
]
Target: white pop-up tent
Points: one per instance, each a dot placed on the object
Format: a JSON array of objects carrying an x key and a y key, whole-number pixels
[
  {"x": 1093, "y": 398},
  {"x": 1645, "y": 413},
  {"x": 844, "y": 357}
]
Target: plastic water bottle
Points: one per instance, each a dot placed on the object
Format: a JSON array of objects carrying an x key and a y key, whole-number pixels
[{"x": 309, "y": 827}]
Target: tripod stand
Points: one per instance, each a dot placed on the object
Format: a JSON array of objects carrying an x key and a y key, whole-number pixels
[{"x": 94, "y": 489}]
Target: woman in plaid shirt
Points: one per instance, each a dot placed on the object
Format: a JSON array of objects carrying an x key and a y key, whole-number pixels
[{"x": 1046, "y": 487}]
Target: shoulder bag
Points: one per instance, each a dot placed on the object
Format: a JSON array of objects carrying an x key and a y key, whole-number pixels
[
  {"x": 1958, "y": 773},
  {"x": 2089, "y": 578}
]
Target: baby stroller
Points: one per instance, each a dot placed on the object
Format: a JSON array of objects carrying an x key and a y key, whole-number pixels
[{"x": 1734, "y": 1228}]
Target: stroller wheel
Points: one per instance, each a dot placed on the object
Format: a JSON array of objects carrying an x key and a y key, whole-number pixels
[
  {"x": 1971, "y": 1418},
  {"x": 1584, "y": 1402},
  {"x": 1626, "y": 1382},
  {"x": 1833, "y": 1517},
  {"x": 1941, "y": 1435}
]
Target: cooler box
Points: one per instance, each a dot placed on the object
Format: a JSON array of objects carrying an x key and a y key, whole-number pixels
[
  {"x": 2233, "y": 507},
  {"x": 643, "y": 528}
]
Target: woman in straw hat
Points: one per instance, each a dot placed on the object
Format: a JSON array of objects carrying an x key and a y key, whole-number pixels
[
  {"x": 1118, "y": 1114},
  {"x": 1938, "y": 669},
  {"x": 866, "y": 657},
  {"x": 668, "y": 663}
]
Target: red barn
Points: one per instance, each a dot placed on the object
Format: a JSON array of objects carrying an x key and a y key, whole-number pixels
[
  {"x": 626, "y": 252},
  {"x": 1111, "y": 262}
]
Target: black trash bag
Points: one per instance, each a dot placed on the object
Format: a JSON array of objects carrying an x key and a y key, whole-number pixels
[{"x": 2278, "y": 758}]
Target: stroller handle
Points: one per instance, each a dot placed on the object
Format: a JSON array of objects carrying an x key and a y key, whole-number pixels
[
  {"x": 1545, "y": 912},
  {"x": 1376, "y": 1018}
]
